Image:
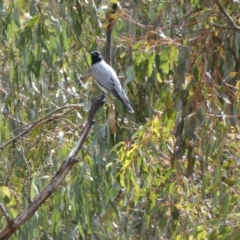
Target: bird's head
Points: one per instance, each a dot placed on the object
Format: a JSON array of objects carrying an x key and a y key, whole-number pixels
[{"x": 96, "y": 57}]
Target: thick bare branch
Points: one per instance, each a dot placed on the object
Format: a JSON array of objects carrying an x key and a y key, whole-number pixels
[{"x": 67, "y": 165}]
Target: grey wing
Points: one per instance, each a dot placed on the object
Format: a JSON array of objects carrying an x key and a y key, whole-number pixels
[
  {"x": 105, "y": 76},
  {"x": 122, "y": 97},
  {"x": 108, "y": 81},
  {"x": 114, "y": 87},
  {"x": 117, "y": 91}
]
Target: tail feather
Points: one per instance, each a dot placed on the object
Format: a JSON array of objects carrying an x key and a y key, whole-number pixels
[
  {"x": 123, "y": 99},
  {"x": 128, "y": 107}
]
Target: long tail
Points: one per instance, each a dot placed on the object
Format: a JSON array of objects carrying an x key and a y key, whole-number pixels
[
  {"x": 123, "y": 99},
  {"x": 129, "y": 108}
]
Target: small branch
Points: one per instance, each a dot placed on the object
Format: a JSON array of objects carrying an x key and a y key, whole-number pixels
[
  {"x": 103, "y": 217},
  {"x": 5, "y": 214},
  {"x": 227, "y": 16},
  {"x": 29, "y": 175},
  {"x": 220, "y": 26},
  {"x": 109, "y": 33},
  {"x": 119, "y": 195},
  {"x": 67, "y": 165},
  {"x": 38, "y": 121}
]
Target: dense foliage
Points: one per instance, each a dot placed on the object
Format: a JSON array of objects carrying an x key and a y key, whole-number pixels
[{"x": 168, "y": 171}]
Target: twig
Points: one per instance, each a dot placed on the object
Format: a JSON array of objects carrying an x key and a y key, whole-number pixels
[
  {"x": 38, "y": 121},
  {"x": 220, "y": 26},
  {"x": 109, "y": 33},
  {"x": 5, "y": 214},
  {"x": 29, "y": 175},
  {"x": 227, "y": 15}
]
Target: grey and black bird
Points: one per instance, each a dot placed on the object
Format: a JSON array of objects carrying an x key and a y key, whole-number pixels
[{"x": 107, "y": 80}]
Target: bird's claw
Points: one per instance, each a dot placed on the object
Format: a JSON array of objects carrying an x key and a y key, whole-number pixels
[{"x": 102, "y": 96}]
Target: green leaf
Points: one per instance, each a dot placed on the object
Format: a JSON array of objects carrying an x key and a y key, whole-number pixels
[
  {"x": 225, "y": 203},
  {"x": 151, "y": 59},
  {"x": 130, "y": 75},
  {"x": 225, "y": 231}
]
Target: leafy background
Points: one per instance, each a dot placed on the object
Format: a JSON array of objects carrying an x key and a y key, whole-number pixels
[{"x": 168, "y": 171}]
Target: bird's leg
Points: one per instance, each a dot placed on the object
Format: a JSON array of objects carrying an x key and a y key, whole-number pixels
[{"x": 102, "y": 96}]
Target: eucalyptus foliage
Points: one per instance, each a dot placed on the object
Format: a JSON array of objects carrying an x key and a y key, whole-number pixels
[{"x": 168, "y": 171}]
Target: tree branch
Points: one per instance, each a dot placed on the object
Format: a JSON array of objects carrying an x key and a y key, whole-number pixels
[
  {"x": 67, "y": 165},
  {"x": 5, "y": 214},
  {"x": 39, "y": 121},
  {"x": 111, "y": 21},
  {"x": 227, "y": 16},
  {"x": 109, "y": 33}
]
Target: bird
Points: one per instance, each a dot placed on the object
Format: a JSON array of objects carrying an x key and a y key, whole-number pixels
[{"x": 107, "y": 79}]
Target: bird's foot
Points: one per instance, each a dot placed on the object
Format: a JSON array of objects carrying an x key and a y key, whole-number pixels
[{"x": 102, "y": 97}]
